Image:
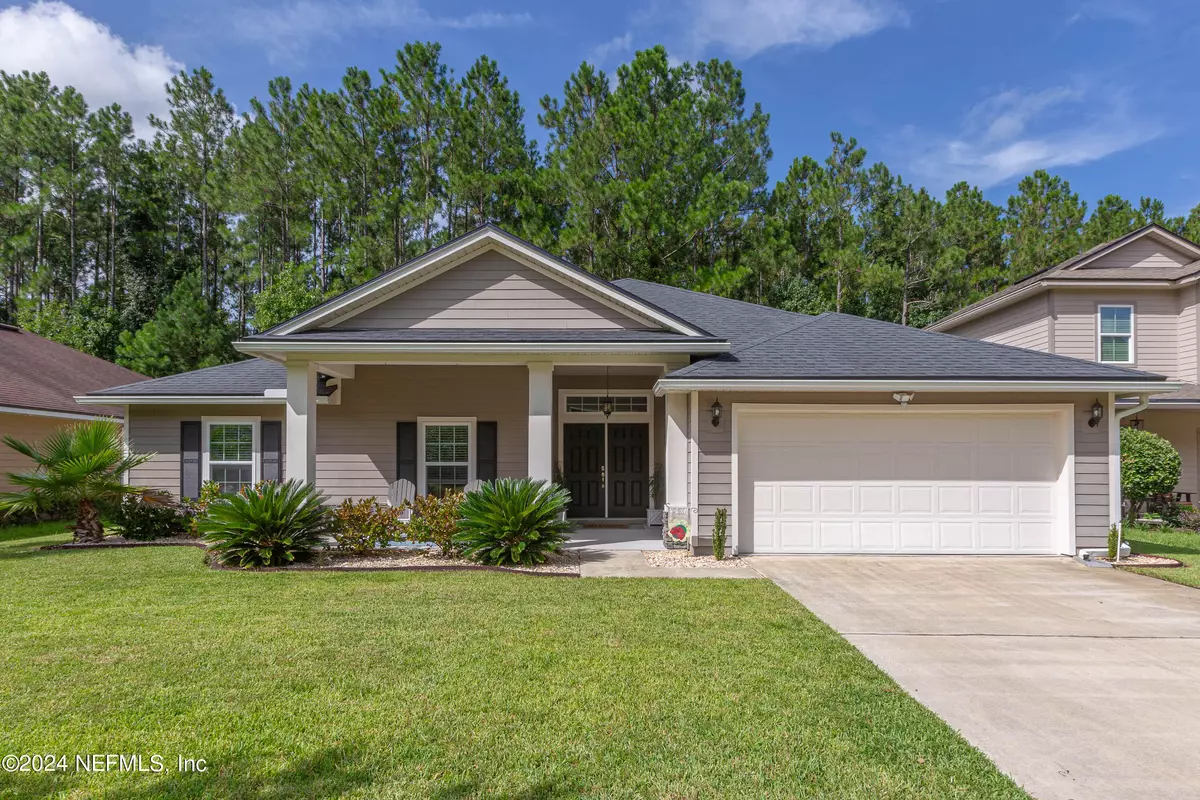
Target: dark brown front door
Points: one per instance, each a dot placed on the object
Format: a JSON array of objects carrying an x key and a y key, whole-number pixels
[
  {"x": 628, "y": 469},
  {"x": 583, "y": 468}
]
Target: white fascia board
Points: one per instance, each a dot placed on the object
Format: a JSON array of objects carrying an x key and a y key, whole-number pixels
[
  {"x": 583, "y": 280},
  {"x": 333, "y": 351},
  {"x": 179, "y": 399},
  {"x": 37, "y": 412},
  {"x": 665, "y": 385}
]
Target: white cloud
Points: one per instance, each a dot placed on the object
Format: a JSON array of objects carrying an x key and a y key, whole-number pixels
[
  {"x": 1016, "y": 132},
  {"x": 615, "y": 48},
  {"x": 286, "y": 30},
  {"x": 752, "y": 26},
  {"x": 1112, "y": 10},
  {"x": 75, "y": 50}
]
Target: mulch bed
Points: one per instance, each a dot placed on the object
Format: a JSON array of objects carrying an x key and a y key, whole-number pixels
[
  {"x": 563, "y": 565},
  {"x": 680, "y": 558},
  {"x": 118, "y": 541},
  {"x": 1142, "y": 560}
]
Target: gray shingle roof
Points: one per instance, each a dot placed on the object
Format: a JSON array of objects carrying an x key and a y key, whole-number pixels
[
  {"x": 843, "y": 347},
  {"x": 734, "y": 320},
  {"x": 250, "y": 377}
]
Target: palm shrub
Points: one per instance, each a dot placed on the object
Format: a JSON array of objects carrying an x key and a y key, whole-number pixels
[
  {"x": 513, "y": 521},
  {"x": 272, "y": 525},
  {"x": 80, "y": 465}
]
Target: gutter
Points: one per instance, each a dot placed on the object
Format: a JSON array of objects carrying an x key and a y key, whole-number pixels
[
  {"x": 668, "y": 385},
  {"x": 259, "y": 348}
]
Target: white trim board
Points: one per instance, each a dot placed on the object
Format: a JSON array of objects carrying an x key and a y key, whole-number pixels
[
  {"x": 255, "y": 424},
  {"x": 664, "y": 385},
  {"x": 35, "y": 412},
  {"x": 475, "y": 243},
  {"x": 1064, "y": 487}
]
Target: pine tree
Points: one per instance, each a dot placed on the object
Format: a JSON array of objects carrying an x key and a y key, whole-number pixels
[{"x": 185, "y": 333}]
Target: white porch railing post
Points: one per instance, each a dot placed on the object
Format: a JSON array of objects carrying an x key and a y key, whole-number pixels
[
  {"x": 541, "y": 407},
  {"x": 301, "y": 425},
  {"x": 677, "y": 453}
]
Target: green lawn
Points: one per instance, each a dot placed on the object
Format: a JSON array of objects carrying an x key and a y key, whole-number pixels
[
  {"x": 446, "y": 685},
  {"x": 1180, "y": 545}
]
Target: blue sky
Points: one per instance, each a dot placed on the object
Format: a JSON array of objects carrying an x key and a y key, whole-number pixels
[{"x": 1102, "y": 92}]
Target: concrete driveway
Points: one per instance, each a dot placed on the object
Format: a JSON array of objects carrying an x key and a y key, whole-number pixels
[{"x": 1078, "y": 682}]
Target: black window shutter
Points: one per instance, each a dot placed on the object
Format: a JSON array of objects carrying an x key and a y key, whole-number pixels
[
  {"x": 485, "y": 451},
  {"x": 272, "y": 450},
  {"x": 189, "y": 459},
  {"x": 406, "y": 451}
]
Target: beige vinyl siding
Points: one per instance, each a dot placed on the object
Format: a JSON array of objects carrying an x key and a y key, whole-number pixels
[
  {"x": 1155, "y": 325},
  {"x": 492, "y": 291},
  {"x": 27, "y": 428},
  {"x": 715, "y": 488},
  {"x": 356, "y": 440},
  {"x": 1144, "y": 252},
  {"x": 1189, "y": 320},
  {"x": 1022, "y": 324},
  {"x": 1181, "y": 428},
  {"x": 155, "y": 429}
]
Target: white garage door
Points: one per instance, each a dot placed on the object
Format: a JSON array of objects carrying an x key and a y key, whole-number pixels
[{"x": 912, "y": 480}]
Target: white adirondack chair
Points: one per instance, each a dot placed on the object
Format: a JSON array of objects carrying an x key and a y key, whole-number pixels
[
  {"x": 401, "y": 493},
  {"x": 472, "y": 486}
]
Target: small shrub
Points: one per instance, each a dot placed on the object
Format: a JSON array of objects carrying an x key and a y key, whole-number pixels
[
  {"x": 513, "y": 521},
  {"x": 271, "y": 526},
  {"x": 1114, "y": 536},
  {"x": 719, "y": 525},
  {"x": 365, "y": 525},
  {"x": 210, "y": 492},
  {"x": 435, "y": 519},
  {"x": 1189, "y": 519},
  {"x": 1150, "y": 466},
  {"x": 148, "y": 517}
]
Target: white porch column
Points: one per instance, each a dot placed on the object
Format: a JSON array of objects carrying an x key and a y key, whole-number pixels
[
  {"x": 1114, "y": 461},
  {"x": 541, "y": 406},
  {"x": 301, "y": 462},
  {"x": 694, "y": 464},
  {"x": 677, "y": 453}
]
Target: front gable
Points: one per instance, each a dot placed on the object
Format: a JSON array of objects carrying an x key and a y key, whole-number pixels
[
  {"x": 494, "y": 291},
  {"x": 1154, "y": 248},
  {"x": 487, "y": 280}
]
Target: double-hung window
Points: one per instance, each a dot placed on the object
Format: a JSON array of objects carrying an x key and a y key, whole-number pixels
[
  {"x": 231, "y": 453},
  {"x": 447, "y": 455},
  {"x": 1116, "y": 334}
]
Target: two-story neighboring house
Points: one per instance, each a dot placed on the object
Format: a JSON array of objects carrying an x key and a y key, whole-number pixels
[{"x": 1132, "y": 301}]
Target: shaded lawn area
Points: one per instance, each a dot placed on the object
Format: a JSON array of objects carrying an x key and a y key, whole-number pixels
[
  {"x": 1177, "y": 544},
  {"x": 446, "y": 685}
]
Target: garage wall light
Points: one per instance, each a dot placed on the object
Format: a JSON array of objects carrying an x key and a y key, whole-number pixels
[
  {"x": 903, "y": 398},
  {"x": 1097, "y": 414},
  {"x": 717, "y": 408}
]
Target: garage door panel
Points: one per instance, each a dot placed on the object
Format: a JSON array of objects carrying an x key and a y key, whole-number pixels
[{"x": 900, "y": 482}]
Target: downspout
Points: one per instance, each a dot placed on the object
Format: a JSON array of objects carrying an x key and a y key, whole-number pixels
[{"x": 1142, "y": 405}]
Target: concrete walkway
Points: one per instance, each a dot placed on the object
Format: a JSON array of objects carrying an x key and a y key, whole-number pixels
[{"x": 1079, "y": 683}]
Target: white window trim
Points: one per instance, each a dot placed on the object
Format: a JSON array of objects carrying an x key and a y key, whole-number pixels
[
  {"x": 255, "y": 427},
  {"x": 422, "y": 422},
  {"x": 1132, "y": 333}
]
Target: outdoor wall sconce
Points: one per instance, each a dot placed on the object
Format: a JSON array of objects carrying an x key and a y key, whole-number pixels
[
  {"x": 903, "y": 398},
  {"x": 1097, "y": 414},
  {"x": 717, "y": 408}
]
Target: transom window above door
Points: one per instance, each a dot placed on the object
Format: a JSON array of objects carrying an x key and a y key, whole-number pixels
[
  {"x": 446, "y": 447},
  {"x": 1116, "y": 334},
  {"x": 593, "y": 404}
]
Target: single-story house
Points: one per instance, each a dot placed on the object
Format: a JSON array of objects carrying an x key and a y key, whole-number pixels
[
  {"x": 39, "y": 379},
  {"x": 819, "y": 434}
]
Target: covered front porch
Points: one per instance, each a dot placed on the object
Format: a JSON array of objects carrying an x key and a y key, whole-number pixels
[{"x": 356, "y": 428}]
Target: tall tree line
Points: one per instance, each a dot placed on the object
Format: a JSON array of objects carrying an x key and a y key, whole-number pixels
[{"x": 158, "y": 253}]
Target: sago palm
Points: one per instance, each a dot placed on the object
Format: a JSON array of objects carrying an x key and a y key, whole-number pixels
[
  {"x": 80, "y": 465},
  {"x": 513, "y": 521}
]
